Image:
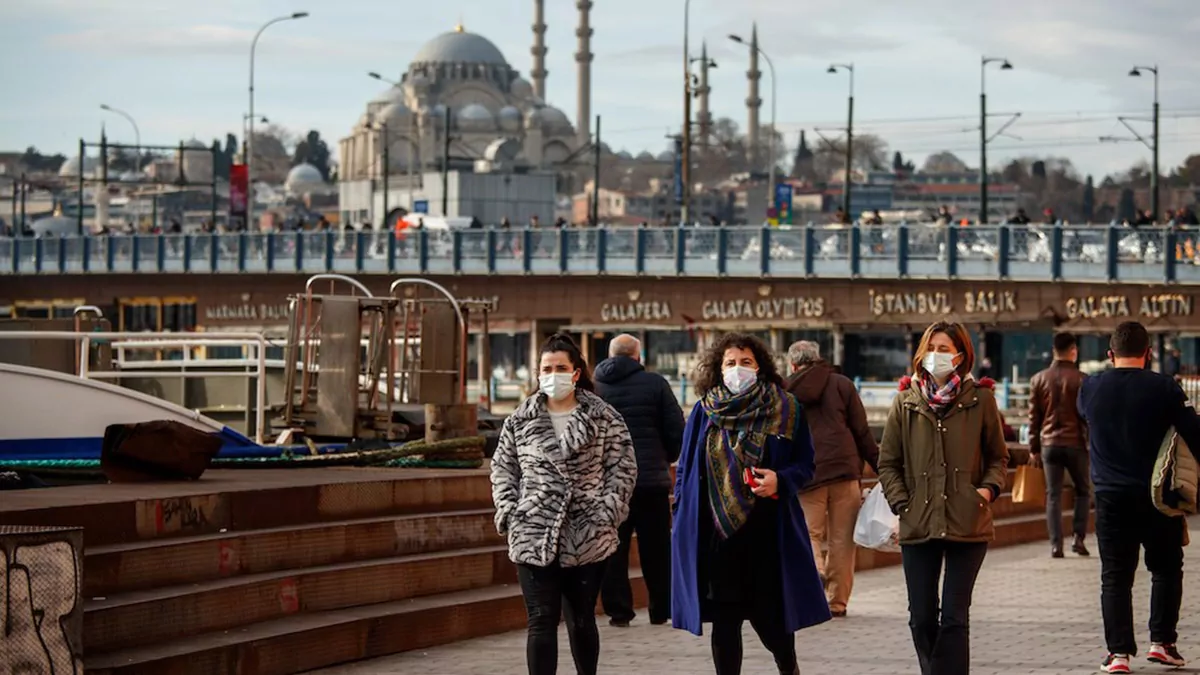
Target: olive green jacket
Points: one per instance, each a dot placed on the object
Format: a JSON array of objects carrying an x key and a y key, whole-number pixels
[{"x": 931, "y": 465}]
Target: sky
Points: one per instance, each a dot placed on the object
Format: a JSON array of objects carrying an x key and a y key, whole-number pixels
[{"x": 181, "y": 68}]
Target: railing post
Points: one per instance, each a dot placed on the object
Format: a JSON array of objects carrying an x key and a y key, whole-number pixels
[
  {"x": 392, "y": 246},
  {"x": 564, "y": 250},
  {"x": 423, "y": 250},
  {"x": 1056, "y": 253},
  {"x": 160, "y": 252},
  {"x": 299, "y": 250},
  {"x": 110, "y": 255},
  {"x": 527, "y": 250},
  {"x": 214, "y": 251},
  {"x": 681, "y": 240},
  {"x": 456, "y": 250},
  {"x": 855, "y": 251},
  {"x": 187, "y": 253},
  {"x": 38, "y": 251},
  {"x": 490, "y": 255},
  {"x": 951, "y": 251},
  {"x": 902, "y": 251},
  {"x": 135, "y": 250},
  {"x": 1169, "y": 240},
  {"x": 62, "y": 255},
  {"x": 764, "y": 251},
  {"x": 269, "y": 242},
  {"x": 810, "y": 250},
  {"x": 85, "y": 245},
  {"x": 243, "y": 246},
  {"x": 329, "y": 246},
  {"x": 601, "y": 250},
  {"x": 722, "y": 251},
  {"x": 1005, "y": 393},
  {"x": 360, "y": 250},
  {"x": 639, "y": 250},
  {"x": 1112, "y": 251},
  {"x": 1004, "y": 235}
]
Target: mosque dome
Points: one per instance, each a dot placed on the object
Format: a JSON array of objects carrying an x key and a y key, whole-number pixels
[
  {"x": 394, "y": 112},
  {"x": 71, "y": 166},
  {"x": 521, "y": 89},
  {"x": 510, "y": 118},
  {"x": 475, "y": 117},
  {"x": 644, "y": 156},
  {"x": 304, "y": 178},
  {"x": 197, "y": 162},
  {"x": 460, "y": 46},
  {"x": 666, "y": 156},
  {"x": 389, "y": 95},
  {"x": 554, "y": 119}
]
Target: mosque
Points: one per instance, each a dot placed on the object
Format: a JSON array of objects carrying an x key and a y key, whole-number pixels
[{"x": 506, "y": 146}]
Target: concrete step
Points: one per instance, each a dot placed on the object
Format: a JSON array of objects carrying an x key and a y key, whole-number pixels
[
  {"x": 158, "y": 563},
  {"x": 160, "y": 615}
]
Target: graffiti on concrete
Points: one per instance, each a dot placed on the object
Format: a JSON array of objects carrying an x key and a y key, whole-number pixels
[{"x": 40, "y": 588}]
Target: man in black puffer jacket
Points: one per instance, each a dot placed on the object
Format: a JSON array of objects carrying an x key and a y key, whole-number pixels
[{"x": 655, "y": 422}]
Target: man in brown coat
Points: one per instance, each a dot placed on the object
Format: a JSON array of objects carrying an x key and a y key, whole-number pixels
[{"x": 843, "y": 442}]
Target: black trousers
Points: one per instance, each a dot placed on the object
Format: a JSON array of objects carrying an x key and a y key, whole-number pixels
[
  {"x": 942, "y": 639},
  {"x": 727, "y": 639},
  {"x": 1059, "y": 461},
  {"x": 650, "y": 517},
  {"x": 545, "y": 590},
  {"x": 1125, "y": 523}
]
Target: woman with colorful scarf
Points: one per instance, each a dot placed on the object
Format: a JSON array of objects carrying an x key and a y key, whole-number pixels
[
  {"x": 942, "y": 463},
  {"x": 740, "y": 547}
]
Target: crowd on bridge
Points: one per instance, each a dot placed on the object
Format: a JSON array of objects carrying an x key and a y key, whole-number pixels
[{"x": 758, "y": 522}]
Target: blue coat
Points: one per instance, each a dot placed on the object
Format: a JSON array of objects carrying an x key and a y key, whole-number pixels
[{"x": 804, "y": 602}]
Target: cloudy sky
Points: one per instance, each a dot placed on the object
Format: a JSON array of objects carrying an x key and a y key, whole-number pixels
[{"x": 181, "y": 67}]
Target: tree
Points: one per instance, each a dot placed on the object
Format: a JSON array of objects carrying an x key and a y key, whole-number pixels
[
  {"x": 35, "y": 161},
  {"x": 313, "y": 150},
  {"x": 1088, "y": 201},
  {"x": 271, "y": 158},
  {"x": 870, "y": 154},
  {"x": 901, "y": 166},
  {"x": 943, "y": 162},
  {"x": 1126, "y": 208}
]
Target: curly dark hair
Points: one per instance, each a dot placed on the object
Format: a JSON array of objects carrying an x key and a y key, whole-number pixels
[
  {"x": 561, "y": 342},
  {"x": 708, "y": 370}
]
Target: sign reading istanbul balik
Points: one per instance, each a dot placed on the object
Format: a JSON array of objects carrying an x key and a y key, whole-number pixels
[
  {"x": 922, "y": 303},
  {"x": 1151, "y": 306}
]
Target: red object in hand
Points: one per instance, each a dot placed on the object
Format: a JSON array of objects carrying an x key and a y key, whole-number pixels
[{"x": 752, "y": 480}]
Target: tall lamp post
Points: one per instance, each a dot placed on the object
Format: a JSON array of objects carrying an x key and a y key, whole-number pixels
[
  {"x": 250, "y": 132},
  {"x": 408, "y": 159},
  {"x": 137, "y": 155},
  {"x": 983, "y": 137},
  {"x": 1137, "y": 72},
  {"x": 849, "y": 68},
  {"x": 774, "y": 132},
  {"x": 245, "y": 133},
  {"x": 686, "y": 164}
]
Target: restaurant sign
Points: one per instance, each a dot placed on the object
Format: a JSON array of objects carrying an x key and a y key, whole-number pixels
[
  {"x": 1111, "y": 306},
  {"x": 248, "y": 311},
  {"x": 787, "y": 308},
  {"x": 935, "y": 304}
]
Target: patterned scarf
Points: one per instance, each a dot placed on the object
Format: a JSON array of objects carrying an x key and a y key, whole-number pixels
[
  {"x": 939, "y": 398},
  {"x": 737, "y": 435}
]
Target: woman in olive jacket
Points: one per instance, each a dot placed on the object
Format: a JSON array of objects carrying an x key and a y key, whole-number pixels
[{"x": 942, "y": 463}]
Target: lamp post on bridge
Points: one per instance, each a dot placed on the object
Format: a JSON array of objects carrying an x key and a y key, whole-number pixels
[
  {"x": 849, "y": 68},
  {"x": 983, "y": 137},
  {"x": 1154, "y": 204}
]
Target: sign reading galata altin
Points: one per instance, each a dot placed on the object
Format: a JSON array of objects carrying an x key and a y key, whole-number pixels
[{"x": 1148, "y": 306}]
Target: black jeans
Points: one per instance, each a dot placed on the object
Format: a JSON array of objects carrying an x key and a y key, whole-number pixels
[
  {"x": 545, "y": 590},
  {"x": 1126, "y": 522},
  {"x": 1057, "y": 461},
  {"x": 650, "y": 517},
  {"x": 943, "y": 643},
  {"x": 727, "y": 639}
]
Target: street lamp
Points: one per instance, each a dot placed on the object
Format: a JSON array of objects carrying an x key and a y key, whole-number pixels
[
  {"x": 250, "y": 133},
  {"x": 137, "y": 156},
  {"x": 245, "y": 134},
  {"x": 774, "y": 100},
  {"x": 1137, "y": 72},
  {"x": 686, "y": 164},
  {"x": 849, "y": 68},
  {"x": 983, "y": 139}
]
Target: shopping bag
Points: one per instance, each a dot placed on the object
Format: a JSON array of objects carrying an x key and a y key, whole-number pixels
[
  {"x": 1029, "y": 487},
  {"x": 877, "y": 527}
]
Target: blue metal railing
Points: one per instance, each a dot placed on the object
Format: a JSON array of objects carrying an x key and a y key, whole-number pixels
[{"x": 1019, "y": 252}]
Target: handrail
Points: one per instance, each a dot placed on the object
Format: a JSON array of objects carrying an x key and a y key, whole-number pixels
[
  {"x": 337, "y": 277},
  {"x": 462, "y": 324}
]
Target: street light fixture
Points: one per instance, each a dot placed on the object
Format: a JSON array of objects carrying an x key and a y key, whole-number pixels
[
  {"x": 1154, "y": 204},
  {"x": 250, "y": 134},
  {"x": 983, "y": 138},
  {"x": 849, "y": 68},
  {"x": 685, "y": 196},
  {"x": 774, "y": 132},
  {"x": 137, "y": 154}
]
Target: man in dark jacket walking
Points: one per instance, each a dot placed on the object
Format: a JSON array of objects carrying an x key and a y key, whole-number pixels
[
  {"x": 1058, "y": 440},
  {"x": 1129, "y": 410},
  {"x": 843, "y": 442},
  {"x": 655, "y": 422}
]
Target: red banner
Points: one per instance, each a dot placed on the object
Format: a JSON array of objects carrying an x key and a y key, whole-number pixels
[{"x": 239, "y": 196}]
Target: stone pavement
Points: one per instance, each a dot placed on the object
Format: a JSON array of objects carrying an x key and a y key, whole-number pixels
[{"x": 1031, "y": 614}]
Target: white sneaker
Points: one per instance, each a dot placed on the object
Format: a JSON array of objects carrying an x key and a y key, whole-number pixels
[
  {"x": 1167, "y": 655},
  {"x": 1116, "y": 663}
]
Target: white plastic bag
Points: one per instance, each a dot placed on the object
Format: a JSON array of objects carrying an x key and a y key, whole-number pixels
[{"x": 877, "y": 527}]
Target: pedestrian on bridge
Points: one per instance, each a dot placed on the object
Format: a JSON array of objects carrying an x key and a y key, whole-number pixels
[
  {"x": 740, "y": 549},
  {"x": 1129, "y": 411},
  {"x": 942, "y": 462},
  {"x": 655, "y": 422},
  {"x": 843, "y": 442},
  {"x": 562, "y": 477}
]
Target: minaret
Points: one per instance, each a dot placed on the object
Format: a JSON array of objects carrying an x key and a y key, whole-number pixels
[
  {"x": 539, "y": 71},
  {"x": 703, "y": 117},
  {"x": 583, "y": 62},
  {"x": 753, "y": 102}
]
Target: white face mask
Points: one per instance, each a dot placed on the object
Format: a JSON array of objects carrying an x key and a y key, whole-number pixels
[
  {"x": 939, "y": 364},
  {"x": 557, "y": 385},
  {"x": 739, "y": 379}
]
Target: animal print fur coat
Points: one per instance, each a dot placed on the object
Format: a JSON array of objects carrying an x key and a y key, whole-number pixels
[{"x": 562, "y": 498}]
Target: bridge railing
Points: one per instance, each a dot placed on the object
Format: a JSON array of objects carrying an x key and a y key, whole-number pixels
[{"x": 1022, "y": 252}]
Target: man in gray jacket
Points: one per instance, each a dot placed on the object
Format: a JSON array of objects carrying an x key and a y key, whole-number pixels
[{"x": 655, "y": 422}]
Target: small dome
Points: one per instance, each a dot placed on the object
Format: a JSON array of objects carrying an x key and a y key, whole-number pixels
[
  {"x": 625, "y": 154},
  {"x": 644, "y": 156},
  {"x": 521, "y": 88},
  {"x": 71, "y": 166},
  {"x": 475, "y": 117},
  {"x": 437, "y": 112},
  {"x": 666, "y": 156},
  {"x": 394, "y": 112},
  {"x": 389, "y": 95},
  {"x": 555, "y": 120},
  {"x": 304, "y": 178},
  {"x": 460, "y": 47},
  {"x": 510, "y": 118}
]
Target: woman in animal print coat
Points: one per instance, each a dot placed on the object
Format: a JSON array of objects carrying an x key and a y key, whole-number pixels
[{"x": 562, "y": 477}]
